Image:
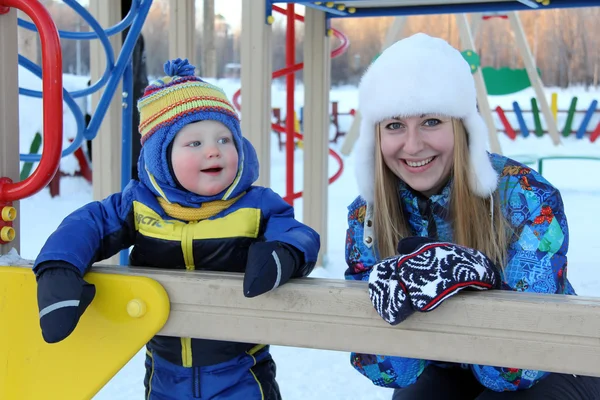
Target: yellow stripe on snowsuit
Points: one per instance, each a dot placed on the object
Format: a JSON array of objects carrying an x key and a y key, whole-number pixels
[
  {"x": 186, "y": 352},
  {"x": 251, "y": 354},
  {"x": 151, "y": 375},
  {"x": 244, "y": 222}
]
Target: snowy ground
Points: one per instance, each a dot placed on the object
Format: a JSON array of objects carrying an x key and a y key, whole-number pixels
[{"x": 317, "y": 374}]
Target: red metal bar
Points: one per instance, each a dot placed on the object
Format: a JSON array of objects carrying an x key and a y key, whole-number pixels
[
  {"x": 343, "y": 46},
  {"x": 595, "y": 134},
  {"x": 510, "y": 132},
  {"x": 52, "y": 103},
  {"x": 336, "y": 156},
  {"x": 290, "y": 59}
]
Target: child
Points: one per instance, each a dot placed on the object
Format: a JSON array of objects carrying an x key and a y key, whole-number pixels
[{"x": 194, "y": 208}]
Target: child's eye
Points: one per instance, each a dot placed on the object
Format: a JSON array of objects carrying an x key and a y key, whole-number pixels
[
  {"x": 194, "y": 144},
  {"x": 393, "y": 126},
  {"x": 224, "y": 140},
  {"x": 431, "y": 122}
]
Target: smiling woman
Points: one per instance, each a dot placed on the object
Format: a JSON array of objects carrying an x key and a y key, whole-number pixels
[{"x": 437, "y": 214}]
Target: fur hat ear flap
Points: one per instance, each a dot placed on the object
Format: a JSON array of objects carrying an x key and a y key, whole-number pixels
[
  {"x": 365, "y": 160},
  {"x": 483, "y": 178}
]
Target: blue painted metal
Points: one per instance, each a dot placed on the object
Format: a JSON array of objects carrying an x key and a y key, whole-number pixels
[
  {"x": 108, "y": 51},
  {"x": 112, "y": 75},
  {"x": 126, "y": 127},
  {"x": 529, "y": 3},
  {"x": 113, "y": 30},
  {"x": 482, "y": 6},
  {"x": 119, "y": 68},
  {"x": 520, "y": 119},
  {"x": 126, "y": 138},
  {"x": 586, "y": 119},
  {"x": 68, "y": 99}
]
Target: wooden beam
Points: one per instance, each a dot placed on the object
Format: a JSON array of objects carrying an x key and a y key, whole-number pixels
[
  {"x": 256, "y": 84},
  {"x": 106, "y": 146},
  {"x": 317, "y": 72},
  {"x": 209, "y": 52},
  {"x": 182, "y": 22},
  {"x": 467, "y": 43},
  {"x": 555, "y": 333},
  {"x": 9, "y": 112},
  {"x": 534, "y": 78}
]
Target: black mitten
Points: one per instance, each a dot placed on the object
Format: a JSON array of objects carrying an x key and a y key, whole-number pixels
[
  {"x": 269, "y": 265},
  {"x": 431, "y": 271},
  {"x": 63, "y": 296},
  {"x": 387, "y": 293}
]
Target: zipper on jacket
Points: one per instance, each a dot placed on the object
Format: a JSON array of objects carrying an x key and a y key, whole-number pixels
[{"x": 187, "y": 247}]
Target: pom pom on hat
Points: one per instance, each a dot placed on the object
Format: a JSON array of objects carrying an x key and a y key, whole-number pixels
[{"x": 179, "y": 67}]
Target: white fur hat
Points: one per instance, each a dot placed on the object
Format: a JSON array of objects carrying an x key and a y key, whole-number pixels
[{"x": 421, "y": 75}]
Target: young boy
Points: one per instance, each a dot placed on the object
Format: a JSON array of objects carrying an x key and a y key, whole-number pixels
[{"x": 194, "y": 208}]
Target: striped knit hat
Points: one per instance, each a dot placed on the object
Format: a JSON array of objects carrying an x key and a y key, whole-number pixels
[{"x": 170, "y": 103}]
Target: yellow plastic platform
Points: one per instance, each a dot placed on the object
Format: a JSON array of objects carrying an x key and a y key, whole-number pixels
[{"x": 126, "y": 312}]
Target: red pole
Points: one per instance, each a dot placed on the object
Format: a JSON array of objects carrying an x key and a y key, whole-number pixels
[
  {"x": 52, "y": 102},
  {"x": 290, "y": 60}
]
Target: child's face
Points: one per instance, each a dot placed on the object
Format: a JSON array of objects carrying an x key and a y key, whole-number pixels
[
  {"x": 419, "y": 150},
  {"x": 204, "y": 157}
]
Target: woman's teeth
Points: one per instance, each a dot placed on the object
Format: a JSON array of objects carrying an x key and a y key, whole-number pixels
[{"x": 419, "y": 163}]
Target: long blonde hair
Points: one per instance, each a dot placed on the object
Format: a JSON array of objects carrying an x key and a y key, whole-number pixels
[{"x": 470, "y": 217}]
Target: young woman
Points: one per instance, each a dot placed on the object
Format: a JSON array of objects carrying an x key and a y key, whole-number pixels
[{"x": 438, "y": 213}]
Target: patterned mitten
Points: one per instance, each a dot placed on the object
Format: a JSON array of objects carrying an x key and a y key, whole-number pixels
[
  {"x": 387, "y": 293},
  {"x": 431, "y": 271}
]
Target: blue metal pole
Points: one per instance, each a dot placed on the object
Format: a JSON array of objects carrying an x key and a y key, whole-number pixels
[{"x": 126, "y": 138}]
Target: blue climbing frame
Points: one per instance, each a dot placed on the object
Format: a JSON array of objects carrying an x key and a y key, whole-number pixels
[
  {"x": 375, "y": 8},
  {"x": 112, "y": 76}
]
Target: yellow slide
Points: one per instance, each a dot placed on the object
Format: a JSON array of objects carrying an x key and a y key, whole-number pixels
[{"x": 126, "y": 312}]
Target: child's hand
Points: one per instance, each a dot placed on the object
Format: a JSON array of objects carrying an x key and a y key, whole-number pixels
[
  {"x": 270, "y": 264},
  {"x": 62, "y": 296}
]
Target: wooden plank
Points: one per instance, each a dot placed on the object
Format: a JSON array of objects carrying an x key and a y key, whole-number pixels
[
  {"x": 317, "y": 72},
  {"x": 534, "y": 331},
  {"x": 9, "y": 112},
  {"x": 106, "y": 146},
  {"x": 182, "y": 14},
  {"x": 256, "y": 84},
  {"x": 534, "y": 78},
  {"x": 467, "y": 43}
]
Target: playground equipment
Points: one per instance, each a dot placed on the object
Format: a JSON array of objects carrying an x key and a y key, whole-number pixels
[
  {"x": 126, "y": 313},
  {"x": 290, "y": 122},
  {"x": 113, "y": 73},
  {"x": 315, "y": 313},
  {"x": 335, "y": 121},
  {"x": 581, "y": 132}
]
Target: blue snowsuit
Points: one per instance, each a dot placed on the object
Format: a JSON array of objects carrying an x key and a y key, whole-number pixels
[
  {"x": 536, "y": 262},
  {"x": 184, "y": 368}
]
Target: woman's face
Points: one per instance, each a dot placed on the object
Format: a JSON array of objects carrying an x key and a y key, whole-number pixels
[{"x": 419, "y": 150}]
